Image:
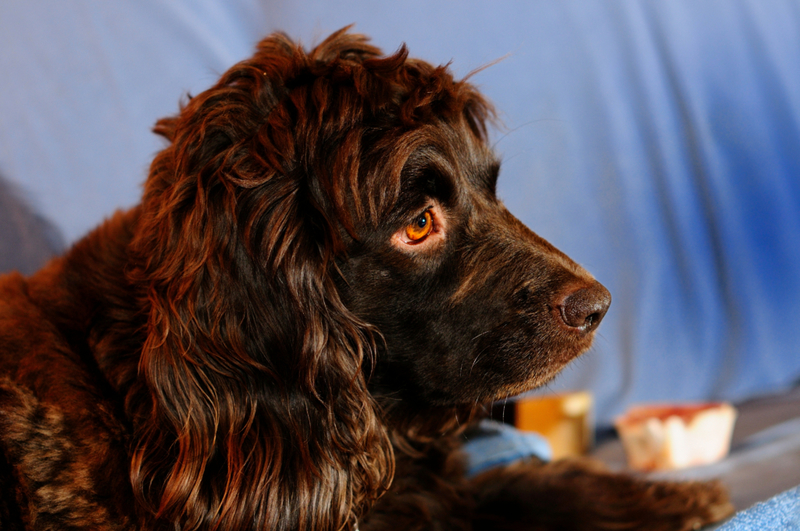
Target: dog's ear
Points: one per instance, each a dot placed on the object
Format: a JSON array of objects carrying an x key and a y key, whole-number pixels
[{"x": 254, "y": 411}]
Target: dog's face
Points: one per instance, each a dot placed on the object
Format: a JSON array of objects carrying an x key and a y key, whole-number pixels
[{"x": 472, "y": 305}]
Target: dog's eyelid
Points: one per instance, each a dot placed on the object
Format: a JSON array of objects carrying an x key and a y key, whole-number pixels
[{"x": 433, "y": 208}]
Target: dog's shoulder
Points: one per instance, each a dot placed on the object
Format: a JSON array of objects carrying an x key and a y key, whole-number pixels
[{"x": 32, "y": 345}]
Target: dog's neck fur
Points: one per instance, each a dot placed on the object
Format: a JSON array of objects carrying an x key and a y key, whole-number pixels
[
  {"x": 87, "y": 295},
  {"x": 58, "y": 373}
]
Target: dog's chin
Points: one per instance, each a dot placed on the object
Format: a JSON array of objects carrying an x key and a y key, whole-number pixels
[
  {"x": 533, "y": 377},
  {"x": 540, "y": 380}
]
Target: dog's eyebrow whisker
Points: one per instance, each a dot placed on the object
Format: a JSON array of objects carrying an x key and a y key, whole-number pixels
[{"x": 522, "y": 126}]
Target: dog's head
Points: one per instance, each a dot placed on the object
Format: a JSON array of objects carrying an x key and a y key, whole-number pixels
[
  {"x": 323, "y": 232},
  {"x": 472, "y": 306}
]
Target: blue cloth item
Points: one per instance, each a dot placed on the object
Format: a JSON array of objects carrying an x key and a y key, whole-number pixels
[
  {"x": 780, "y": 513},
  {"x": 496, "y": 444}
]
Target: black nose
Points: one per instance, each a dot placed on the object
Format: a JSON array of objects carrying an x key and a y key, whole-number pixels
[{"x": 585, "y": 307}]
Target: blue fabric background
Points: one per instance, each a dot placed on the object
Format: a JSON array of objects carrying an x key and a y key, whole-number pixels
[{"x": 656, "y": 142}]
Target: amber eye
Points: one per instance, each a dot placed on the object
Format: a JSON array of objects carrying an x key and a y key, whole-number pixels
[{"x": 421, "y": 227}]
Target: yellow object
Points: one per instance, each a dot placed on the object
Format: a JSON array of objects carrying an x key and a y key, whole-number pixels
[{"x": 566, "y": 421}]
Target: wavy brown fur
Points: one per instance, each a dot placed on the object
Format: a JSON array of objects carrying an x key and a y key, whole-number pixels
[{"x": 258, "y": 346}]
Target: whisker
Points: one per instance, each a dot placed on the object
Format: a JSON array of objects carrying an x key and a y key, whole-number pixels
[
  {"x": 505, "y": 401},
  {"x": 479, "y": 335},
  {"x": 477, "y": 357}
]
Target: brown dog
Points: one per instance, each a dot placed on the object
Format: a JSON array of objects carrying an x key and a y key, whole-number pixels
[{"x": 317, "y": 292}]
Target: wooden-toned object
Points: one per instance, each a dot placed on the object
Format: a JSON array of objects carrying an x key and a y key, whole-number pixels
[{"x": 566, "y": 421}]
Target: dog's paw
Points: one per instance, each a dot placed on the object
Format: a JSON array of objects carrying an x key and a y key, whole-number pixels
[
  {"x": 583, "y": 495},
  {"x": 689, "y": 506}
]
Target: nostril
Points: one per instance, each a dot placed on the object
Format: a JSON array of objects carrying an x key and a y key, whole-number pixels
[{"x": 585, "y": 308}]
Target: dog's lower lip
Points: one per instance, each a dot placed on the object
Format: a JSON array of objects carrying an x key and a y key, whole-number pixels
[
  {"x": 534, "y": 382},
  {"x": 520, "y": 388}
]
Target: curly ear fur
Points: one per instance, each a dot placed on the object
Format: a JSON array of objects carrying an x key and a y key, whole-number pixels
[{"x": 255, "y": 412}]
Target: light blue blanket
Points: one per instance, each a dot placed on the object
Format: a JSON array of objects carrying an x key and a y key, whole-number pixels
[{"x": 780, "y": 513}]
